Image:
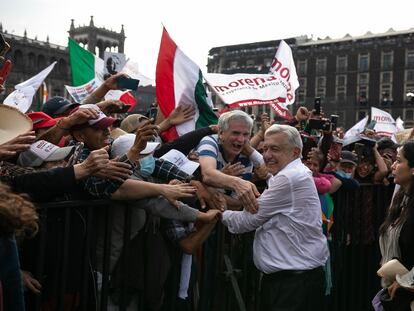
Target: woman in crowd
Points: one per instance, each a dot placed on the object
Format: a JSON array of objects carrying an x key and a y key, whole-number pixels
[
  {"x": 397, "y": 231},
  {"x": 17, "y": 218}
]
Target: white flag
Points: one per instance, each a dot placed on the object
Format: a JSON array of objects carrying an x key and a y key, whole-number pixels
[
  {"x": 385, "y": 123},
  {"x": 131, "y": 69},
  {"x": 283, "y": 60},
  {"x": 353, "y": 134},
  {"x": 22, "y": 97}
]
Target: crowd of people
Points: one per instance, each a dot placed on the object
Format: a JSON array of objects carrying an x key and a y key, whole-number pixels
[{"x": 277, "y": 180}]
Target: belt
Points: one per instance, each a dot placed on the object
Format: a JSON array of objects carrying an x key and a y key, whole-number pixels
[{"x": 287, "y": 273}]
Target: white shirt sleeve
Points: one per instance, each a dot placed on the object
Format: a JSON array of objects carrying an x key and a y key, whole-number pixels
[{"x": 276, "y": 199}]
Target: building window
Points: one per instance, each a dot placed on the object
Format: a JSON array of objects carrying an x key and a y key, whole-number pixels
[
  {"x": 410, "y": 58},
  {"x": 363, "y": 78},
  {"x": 363, "y": 62},
  {"x": 301, "y": 95},
  {"x": 386, "y": 77},
  {"x": 341, "y": 63},
  {"x": 387, "y": 60},
  {"x": 302, "y": 67},
  {"x": 409, "y": 76},
  {"x": 340, "y": 87},
  {"x": 320, "y": 66},
  {"x": 363, "y": 88},
  {"x": 320, "y": 89},
  {"x": 385, "y": 93},
  {"x": 233, "y": 65}
]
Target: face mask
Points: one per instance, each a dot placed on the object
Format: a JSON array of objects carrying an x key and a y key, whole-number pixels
[
  {"x": 147, "y": 166},
  {"x": 344, "y": 175}
]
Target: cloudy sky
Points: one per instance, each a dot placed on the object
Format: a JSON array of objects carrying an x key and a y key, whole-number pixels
[{"x": 197, "y": 26}]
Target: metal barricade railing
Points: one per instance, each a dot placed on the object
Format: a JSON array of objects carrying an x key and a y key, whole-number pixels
[{"x": 75, "y": 241}]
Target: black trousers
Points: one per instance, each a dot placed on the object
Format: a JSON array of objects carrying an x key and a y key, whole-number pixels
[{"x": 293, "y": 290}]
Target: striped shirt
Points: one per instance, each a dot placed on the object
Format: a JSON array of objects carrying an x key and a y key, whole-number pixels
[{"x": 209, "y": 146}]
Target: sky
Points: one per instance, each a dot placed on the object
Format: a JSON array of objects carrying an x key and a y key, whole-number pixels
[{"x": 197, "y": 26}]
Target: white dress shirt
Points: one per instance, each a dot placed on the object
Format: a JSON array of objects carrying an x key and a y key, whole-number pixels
[{"x": 288, "y": 224}]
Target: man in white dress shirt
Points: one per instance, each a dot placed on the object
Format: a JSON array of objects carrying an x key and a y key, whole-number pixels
[{"x": 289, "y": 246}]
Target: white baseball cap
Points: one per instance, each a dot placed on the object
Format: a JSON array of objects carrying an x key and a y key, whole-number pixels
[
  {"x": 123, "y": 143},
  {"x": 43, "y": 151}
]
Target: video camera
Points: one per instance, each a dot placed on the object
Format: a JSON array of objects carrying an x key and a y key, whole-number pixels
[{"x": 324, "y": 124}]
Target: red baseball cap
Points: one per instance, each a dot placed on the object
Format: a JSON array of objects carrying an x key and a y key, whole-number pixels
[{"x": 41, "y": 120}]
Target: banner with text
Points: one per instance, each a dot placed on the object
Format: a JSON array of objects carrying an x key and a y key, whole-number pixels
[
  {"x": 385, "y": 123},
  {"x": 79, "y": 93},
  {"x": 243, "y": 90}
]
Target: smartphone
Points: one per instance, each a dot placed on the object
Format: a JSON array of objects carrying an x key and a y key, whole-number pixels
[
  {"x": 371, "y": 125},
  {"x": 317, "y": 105},
  {"x": 4, "y": 71},
  {"x": 127, "y": 83},
  {"x": 359, "y": 149}
]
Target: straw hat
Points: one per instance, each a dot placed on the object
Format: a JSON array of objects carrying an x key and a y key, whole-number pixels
[{"x": 13, "y": 123}]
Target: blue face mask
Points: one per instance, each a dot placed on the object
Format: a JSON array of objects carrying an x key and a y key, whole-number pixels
[
  {"x": 147, "y": 166},
  {"x": 343, "y": 174}
]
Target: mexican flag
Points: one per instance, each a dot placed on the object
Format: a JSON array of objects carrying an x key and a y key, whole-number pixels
[
  {"x": 179, "y": 81},
  {"x": 85, "y": 66}
]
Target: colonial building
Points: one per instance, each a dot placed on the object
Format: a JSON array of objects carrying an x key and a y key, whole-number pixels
[
  {"x": 30, "y": 56},
  {"x": 350, "y": 74}
]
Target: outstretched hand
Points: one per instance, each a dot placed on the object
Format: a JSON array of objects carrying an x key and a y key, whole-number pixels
[{"x": 16, "y": 145}]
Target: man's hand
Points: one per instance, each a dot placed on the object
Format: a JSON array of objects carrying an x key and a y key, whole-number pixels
[
  {"x": 112, "y": 82},
  {"x": 214, "y": 128},
  {"x": 208, "y": 197},
  {"x": 174, "y": 192},
  {"x": 302, "y": 114},
  {"x": 115, "y": 170},
  {"x": 80, "y": 116},
  {"x": 247, "y": 193},
  {"x": 211, "y": 216},
  {"x": 235, "y": 169},
  {"x": 393, "y": 288},
  {"x": 261, "y": 172},
  {"x": 181, "y": 114},
  {"x": 145, "y": 133},
  {"x": 30, "y": 282},
  {"x": 111, "y": 106},
  {"x": 16, "y": 145}
]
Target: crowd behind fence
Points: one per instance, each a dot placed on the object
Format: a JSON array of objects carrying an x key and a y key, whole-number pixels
[{"x": 71, "y": 256}]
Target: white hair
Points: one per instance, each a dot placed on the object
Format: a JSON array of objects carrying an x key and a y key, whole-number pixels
[
  {"x": 224, "y": 120},
  {"x": 294, "y": 139}
]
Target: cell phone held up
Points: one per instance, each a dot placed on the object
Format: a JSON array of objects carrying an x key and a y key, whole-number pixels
[
  {"x": 127, "y": 83},
  {"x": 317, "y": 106}
]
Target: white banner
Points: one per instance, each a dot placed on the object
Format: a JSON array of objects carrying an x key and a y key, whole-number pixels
[
  {"x": 385, "y": 123},
  {"x": 243, "y": 90},
  {"x": 276, "y": 89},
  {"x": 131, "y": 69},
  {"x": 79, "y": 93},
  {"x": 22, "y": 97},
  {"x": 353, "y": 134},
  {"x": 114, "y": 62},
  {"x": 283, "y": 61}
]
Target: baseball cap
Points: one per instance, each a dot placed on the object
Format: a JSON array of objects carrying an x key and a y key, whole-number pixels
[
  {"x": 132, "y": 122},
  {"x": 43, "y": 151},
  {"x": 57, "y": 105},
  {"x": 13, "y": 123},
  {"x": 102, "y": 122},
  {"x": 41, "y": 120},
  {"x": 123, "y": 143},
  {"x": 348, "y": 157}
]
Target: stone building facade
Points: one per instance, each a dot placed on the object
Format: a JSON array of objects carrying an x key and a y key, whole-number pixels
[{"x": 350, "y": 74}]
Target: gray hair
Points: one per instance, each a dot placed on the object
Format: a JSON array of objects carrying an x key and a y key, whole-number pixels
[
  {"x": 224, "y": 120},
  {"x": 294, "y": 139}
]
